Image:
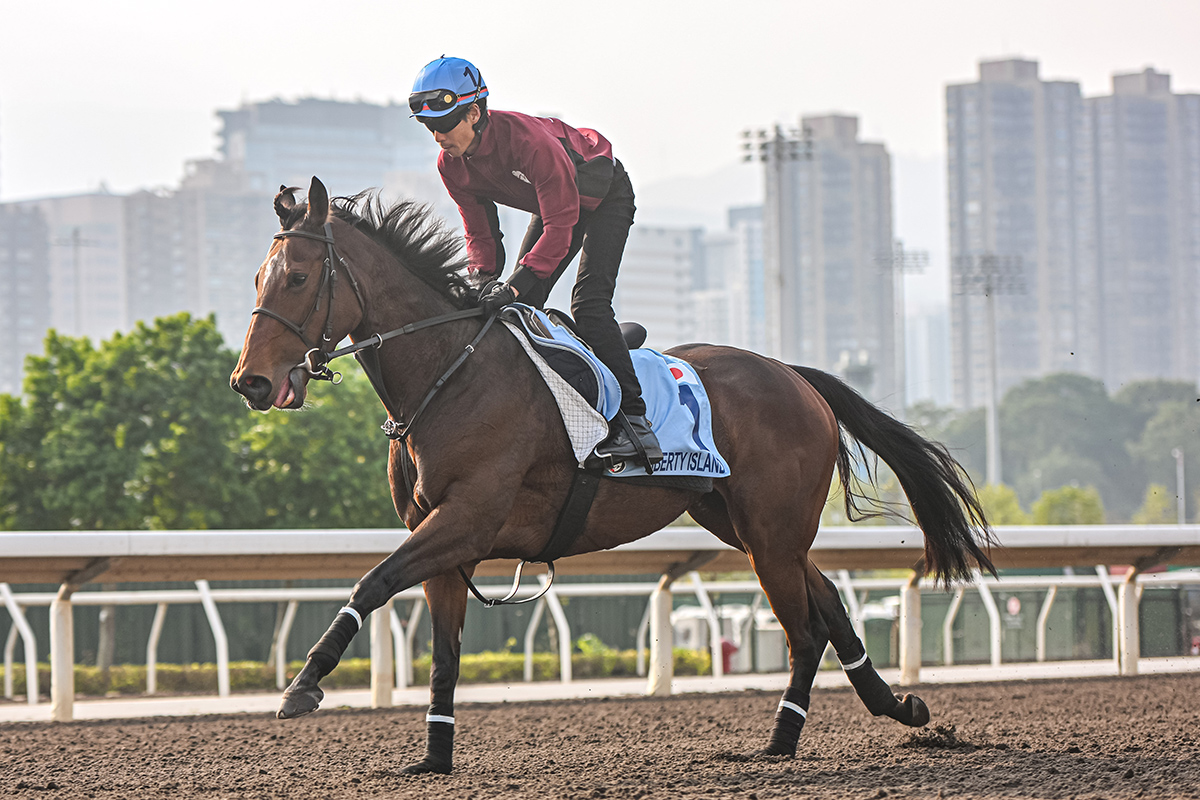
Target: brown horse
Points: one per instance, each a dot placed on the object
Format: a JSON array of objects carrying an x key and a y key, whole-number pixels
[{"x": 484, "y": 466}]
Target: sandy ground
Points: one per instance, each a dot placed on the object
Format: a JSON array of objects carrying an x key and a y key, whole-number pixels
[{"x": 1084, "y": 738}]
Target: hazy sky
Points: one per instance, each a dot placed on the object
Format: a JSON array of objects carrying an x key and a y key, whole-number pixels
[{"x": 123, "y": 92}]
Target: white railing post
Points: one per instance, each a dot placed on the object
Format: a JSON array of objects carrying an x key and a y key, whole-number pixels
[
  {"x": 564, "y": 631},
  {"x": 62, "y": 657},
  {"x": 400, "y": 649},
  {"x": 1114, "y": 610},
  {"x": 20, "y": 624},
  {"x": 853, "y": 604},
  {"x": 910, "y": 631},
  {"x": 1130, "y": 637},
  {"x": 281, "y": 643},
  {"x": 382, "y": 677},
  {"x": 714, "y": 625},
  {"x": 948, "y": 627},
  {"x": 662, "y": 639},
  {"x": 994, "y": 628},
  {"x": 535, "y": 619},
  {"x": 410, "y": 636},
  {"x": 160, "y": 615},
  {"x": 1043, "y": 617},
  {"x": 219, "y": 639},
  {"x": 643, "y": 631}
]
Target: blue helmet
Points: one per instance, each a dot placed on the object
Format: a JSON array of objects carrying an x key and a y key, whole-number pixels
[{"x": 445, "y": 85}]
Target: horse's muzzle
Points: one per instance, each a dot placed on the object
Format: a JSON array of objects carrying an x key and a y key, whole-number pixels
[{"x": 255, "y": 388}]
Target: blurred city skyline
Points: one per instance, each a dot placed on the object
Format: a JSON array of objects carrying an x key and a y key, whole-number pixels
[{"x": 121, "y": 97}]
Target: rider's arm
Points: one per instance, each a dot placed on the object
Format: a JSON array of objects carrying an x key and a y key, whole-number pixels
[
  {"x": 553, "y": 176},
  {"x": 481, "y": 224}
]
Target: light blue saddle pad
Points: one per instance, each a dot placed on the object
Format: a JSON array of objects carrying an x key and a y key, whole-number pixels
[
  {"x": 676, "y": 403},
  {"x": 677, "y": 407}
]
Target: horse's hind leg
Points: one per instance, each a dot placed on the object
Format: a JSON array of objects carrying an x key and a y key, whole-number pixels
[
  {"x": 447, "y": 599},
  {"x": 876, "y": 695}
]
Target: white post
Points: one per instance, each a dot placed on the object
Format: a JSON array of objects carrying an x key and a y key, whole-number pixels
[
  {"x": 219, "y": 639},
  {"x": 281, "y": 643},
  {"x": 642, "y": 631},
  {"x": 160, "y": 616},
  {"x": 948, "y": 627},
  {"x": 30, "y": 641},
  {"x": 410, "y": 635},
  {"x": 62, "y": 657},
  {"x": 400, "y": 648},
  {"x": 846, "y": 584},
  {"x": 9, "y": 644},
  {"x": 714, "y": 625},
  {"x": 997, "y": 633},
  {"x": 382, "y": 677},
  {"x": 910, "y": 631},
  {"x": 564, "y": 632},
  {"x": 535, "y": 619},
  {"x": 1114, "y": 608},
  {"x": 1130, "y": 638},
  {"x": 1044, "y": 615},
  {"x": 662, "y": 640}
]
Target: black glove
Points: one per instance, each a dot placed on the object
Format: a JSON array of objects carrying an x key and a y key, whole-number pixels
[{"x": 495, "y": 296}]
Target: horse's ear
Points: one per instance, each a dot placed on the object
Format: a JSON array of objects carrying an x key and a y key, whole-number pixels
[
  {"x": 318, "y": 206},
  {"x": 285, "y": 203}
]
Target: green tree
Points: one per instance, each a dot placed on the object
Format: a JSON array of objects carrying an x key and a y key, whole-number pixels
[
  {"x": 1067, "y": 427},
  {"x": 1158, "y": 508},
  {"x": 1144, "y": 398},
  {"x": 1069, "y": 505},
  {"x": 1176, "y": 425},
  {"x": 129, "y": 434},
  {"x": 1001, "y": 505}
]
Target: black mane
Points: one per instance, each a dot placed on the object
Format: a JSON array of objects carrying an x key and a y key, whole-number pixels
[{"x": 416, "y": 237}]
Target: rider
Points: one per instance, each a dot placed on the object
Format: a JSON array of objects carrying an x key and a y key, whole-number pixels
[{"x": 580, "y": 198}]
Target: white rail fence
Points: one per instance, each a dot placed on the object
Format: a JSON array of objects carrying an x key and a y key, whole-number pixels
[
  {"x": 401, "y": 636},
  {"x": 73, "y": 559}
]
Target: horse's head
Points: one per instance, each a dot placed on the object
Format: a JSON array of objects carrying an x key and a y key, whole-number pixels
[{"x": 299, "y": 309}]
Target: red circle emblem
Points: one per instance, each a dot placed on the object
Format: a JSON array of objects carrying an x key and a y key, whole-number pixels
[{"x": 677, "y": 372}]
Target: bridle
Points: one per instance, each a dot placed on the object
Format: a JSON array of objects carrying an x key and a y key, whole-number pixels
[{"x": 317, "y": 358}]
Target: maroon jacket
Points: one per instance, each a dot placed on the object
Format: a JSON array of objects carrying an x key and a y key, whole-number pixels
[{"x": 536, "y": 164}]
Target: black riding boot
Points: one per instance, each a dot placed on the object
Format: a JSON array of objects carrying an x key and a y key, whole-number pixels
[{"x": 622, "y": 446}]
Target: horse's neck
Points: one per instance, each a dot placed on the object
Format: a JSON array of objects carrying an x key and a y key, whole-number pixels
[{"x": 396, "y": 297}]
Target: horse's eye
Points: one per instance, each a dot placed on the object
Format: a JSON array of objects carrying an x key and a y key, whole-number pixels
[{"x": 297, "y": 279}]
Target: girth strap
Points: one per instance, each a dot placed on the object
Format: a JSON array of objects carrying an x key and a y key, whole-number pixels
[{"x": 573, "y": 515}]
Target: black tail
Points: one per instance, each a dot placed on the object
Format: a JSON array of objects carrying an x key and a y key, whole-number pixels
[{"x": 939, "y": 491}]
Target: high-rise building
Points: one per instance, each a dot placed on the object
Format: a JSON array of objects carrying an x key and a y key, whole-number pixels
[
  {"x": 655, "y": 282},
  {"x": 1147, "y": 145},
  {"x": 25, "y": 302},
  {"x": 727, "y": 298},
  {"x": 85, "y": 233},
  {"x": 827, "y": 233},
  {"x": 1021, "y": 216},
  {"x": 349, "y": 146},
  {"x": 1086, "y": 212}
]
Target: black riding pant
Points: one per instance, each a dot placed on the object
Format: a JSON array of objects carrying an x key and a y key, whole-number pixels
[{"x": 601, "y": 235}]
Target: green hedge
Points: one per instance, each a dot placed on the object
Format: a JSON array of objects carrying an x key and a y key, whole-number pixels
[{"x": 255, "y": 676}]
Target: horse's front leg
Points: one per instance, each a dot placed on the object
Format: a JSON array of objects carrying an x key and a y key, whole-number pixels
[
  {"x": 447, "y": 599},
  {"x": 437, "y": 546}
]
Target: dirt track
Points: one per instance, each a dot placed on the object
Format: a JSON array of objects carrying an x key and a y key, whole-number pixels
[{"x": 1110, "y": 738}]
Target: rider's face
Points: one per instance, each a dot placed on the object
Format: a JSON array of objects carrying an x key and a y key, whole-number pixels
[{"x": 461, "y": 138}]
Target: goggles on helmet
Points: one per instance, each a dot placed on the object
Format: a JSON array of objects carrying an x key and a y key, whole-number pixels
[
  {"x": 438, "y": 100},
  {"x": 444, "y": 124}
]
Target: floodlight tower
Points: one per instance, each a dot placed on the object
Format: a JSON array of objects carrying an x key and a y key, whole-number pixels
[
  {"x": 777, "y": 149},
  {"x": 988, "y": 274}
]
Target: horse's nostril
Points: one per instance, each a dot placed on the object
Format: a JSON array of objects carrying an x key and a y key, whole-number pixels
[{"x": 254, "y": 388}]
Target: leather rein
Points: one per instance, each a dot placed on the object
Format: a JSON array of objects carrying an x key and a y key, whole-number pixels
[{"x": 317, "y": 358}]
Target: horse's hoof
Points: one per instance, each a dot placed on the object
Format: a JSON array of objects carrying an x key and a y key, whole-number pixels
[
  {"x": 427, "y": 766},
  {"x": 298, "y": 703},
  {"x": 915, "y": 713}
]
